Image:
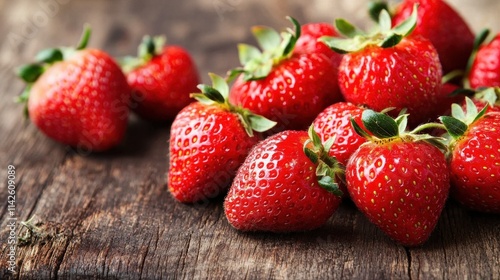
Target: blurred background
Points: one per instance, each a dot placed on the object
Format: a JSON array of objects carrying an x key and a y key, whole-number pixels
[{"x": 209, "y": 29}]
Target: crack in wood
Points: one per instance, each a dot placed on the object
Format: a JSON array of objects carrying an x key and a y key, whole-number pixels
[{"x": 408, "y": 258}]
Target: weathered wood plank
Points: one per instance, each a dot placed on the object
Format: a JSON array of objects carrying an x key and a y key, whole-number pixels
[{"x": 110, "y": 215}]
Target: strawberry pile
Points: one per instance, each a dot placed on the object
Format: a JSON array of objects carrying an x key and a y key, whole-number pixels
[
  {"x": 397, "y": 120},
  {"x": 82, "y": 97}
]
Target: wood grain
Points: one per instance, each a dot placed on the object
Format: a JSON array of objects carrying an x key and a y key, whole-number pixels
[{"x": 110, "y": 215}]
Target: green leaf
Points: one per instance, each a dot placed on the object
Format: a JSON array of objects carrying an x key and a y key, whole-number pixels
[
  {"x": 481, "y": 113},
  {"x": 247, "y": 53},
  {"x": 457, "y": 112},
  {"x": 462, "y": 91},
  {"x": 233, "y": 74},
  {"x": 25, "y": 94},
  {"x": 329, "y": 184},
  {"x": 292, "y": 40},
  {"x": 202, "y": 98},
  {"x": 455, "y": 127},
  {"x": 347, "y": 29},
  {"x": 409, "y": 24},
  {"x": 471, "y": 109},
  {"x": 381, "y": 125},
  {"x": 375, "y": 7},
  {"x": 260, "y": 123},
  {"x": 329, "y": 143},
  {"x": 30, "y": 72},
  {"x": 489, "y": 95},
  {"x": 310, "y": 153},
  {"x": 316, "y": 140},
  {"x": 341, "y": 45},
  {"x": 391, "y": 40},
  {"x": 219, "y": 84},
  {"x": 323, "y": 169},
  {"x": 480, "y": 38},
  {"x": 286, "y": 46},
  {"x": 357, "y": 128},
  {"x": 159, "y": 42},
  {"x": 296, "y": 25},
  {"x": 146, "y": 49},
  {"x": 49, "y": 56},
  {"x": 402, "y": 122},
  {"x": 129, "y": 63},
  {"x": 212, "y": 94},
  {"x": 267, "y": 38},
  {"x": 262, "y": 71},
  {"x": 385, "y": 21},
  {"x": 150, "y": 47}
]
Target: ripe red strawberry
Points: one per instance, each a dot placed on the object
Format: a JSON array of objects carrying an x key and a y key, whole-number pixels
[
  {"x": 281, "y": 189},
  {"x": 335, "y": 122},
  {"x": 444, "y": 27},
  {"x": 78, "y": 97},
  {"x": 398, "y": 179},
  {"x": 161, "y": 78},
  {"x": 209, "y": 140},
  {"x": 475, "y": 157},
  {"x": 485, "y": 66},
  {"x": 288, "y": 86},
  {"x": 387, "y": 69}
]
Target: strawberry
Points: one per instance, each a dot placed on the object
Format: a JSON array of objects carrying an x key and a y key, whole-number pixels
[
  {"x": 209, "y": 140},
  {"x": 444, "y": 27},
  {"x": 485, "y": 63},
  {"x": 77, "y": 96},
  {"x": 282, "y": 83},
  {"x": 474, "y": 157},
  {"x": 386, "y": 69},
  {"x": 161, "y": 79},
  {"x": 335, "y": 122},
  {"x": 398, "y": 179},
  {"x": 287, "y": 183}
]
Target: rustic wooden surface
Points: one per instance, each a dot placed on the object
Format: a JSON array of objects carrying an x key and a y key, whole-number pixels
[{"x": 110, "y": 215}]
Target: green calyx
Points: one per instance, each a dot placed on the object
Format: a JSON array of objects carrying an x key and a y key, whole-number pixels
[
  {"x": 381, "y": 129},
  {"x": 458, "y": 123},
  {"x": 149, "y": 48},
  {"x": 276, "y": 47},
  {"x": 30, "y": 73},
  {"x": 328, "y": 169},
  {"x": 217, "y": 95},
  {"x": 384, "y": 36}
]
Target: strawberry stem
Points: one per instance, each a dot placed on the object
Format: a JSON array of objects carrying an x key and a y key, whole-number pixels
[
  {"x": 85, "y": 37},
  {"x": 426, "y": 126}
]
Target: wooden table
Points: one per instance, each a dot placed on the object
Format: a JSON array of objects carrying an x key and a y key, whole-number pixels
[{"x": 110, "y": 215}]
